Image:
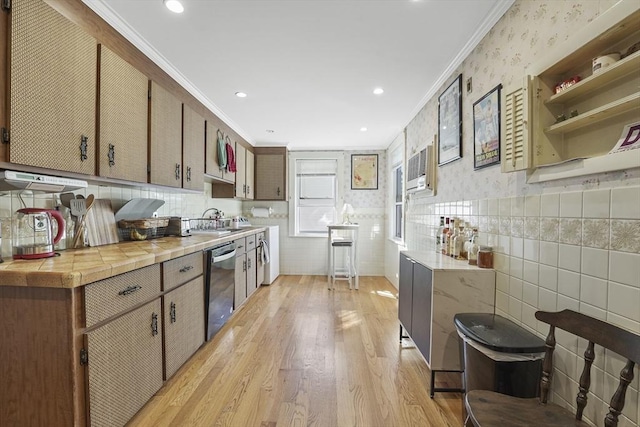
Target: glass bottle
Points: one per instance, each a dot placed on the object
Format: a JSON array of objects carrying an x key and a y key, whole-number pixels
[
  {"x": 473, "y": 248},
  {"x": 458, "y": 242},
  {"x": 445, "y": 236},
  {"x": 452, "y": 238},
  {"x": 439, "y": 236},
  {"x": 485, "y": 257}
]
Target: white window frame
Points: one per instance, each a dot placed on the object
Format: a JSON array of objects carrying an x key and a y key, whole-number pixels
[
  {"x": 293, "y": 185},
  {"x": 396, "y": 158}
]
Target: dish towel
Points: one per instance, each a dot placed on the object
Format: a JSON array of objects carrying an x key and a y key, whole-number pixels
[
  {"x": 231, "y": 161},
  {"x": 265, "y": 252},
  {"x": 222, "y": 152}
]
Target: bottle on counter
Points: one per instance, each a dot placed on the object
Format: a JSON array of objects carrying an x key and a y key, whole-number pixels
[
  {"x": 453, "y": 238},
  {"x": 444, "y": 241},
  {"x": 439, "y": 236},
  {"x": 458, "y": 242},
  {"x": 473, "y": 248}
]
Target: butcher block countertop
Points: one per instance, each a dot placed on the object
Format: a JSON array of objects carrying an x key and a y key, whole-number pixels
[{"x": 79, "y": 267}]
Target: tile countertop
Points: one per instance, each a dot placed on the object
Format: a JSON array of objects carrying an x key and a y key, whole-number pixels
[
  {"x": 435, "y": 261},
  {"x": 79, "y": 267}
]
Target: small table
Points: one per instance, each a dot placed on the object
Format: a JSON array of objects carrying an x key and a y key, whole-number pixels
[{"x": 353, "y": 230}]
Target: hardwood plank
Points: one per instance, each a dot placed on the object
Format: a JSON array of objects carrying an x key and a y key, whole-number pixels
[{"x": 299, "y": 354}]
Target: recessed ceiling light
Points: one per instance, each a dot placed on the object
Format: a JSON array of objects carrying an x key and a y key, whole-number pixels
[
  {"x": 174, "y": 6},
  {"x": 241, "y": 94},
  {"x": 270, "y": 131},
  {"x": 378, "y": 91},
  {"x": 363, "y": 129}
]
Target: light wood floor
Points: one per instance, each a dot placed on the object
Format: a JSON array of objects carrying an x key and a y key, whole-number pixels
[{"x": 298, "y": 354}]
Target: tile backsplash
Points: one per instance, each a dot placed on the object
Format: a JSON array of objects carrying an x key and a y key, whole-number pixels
[{"x": 578, "y": 250}]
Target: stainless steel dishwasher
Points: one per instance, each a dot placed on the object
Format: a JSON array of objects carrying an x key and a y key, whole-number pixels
[{"x": 219, "y": 286}]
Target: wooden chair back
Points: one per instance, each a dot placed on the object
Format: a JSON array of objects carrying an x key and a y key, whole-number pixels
[{"x": 620, "y": 341}]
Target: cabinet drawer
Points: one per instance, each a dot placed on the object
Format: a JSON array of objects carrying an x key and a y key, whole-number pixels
[
  {"x": 241, "y": 246},
  {"x": 181, "y": 270},
  {"x": 125, "y": 365},
  {"x": 183, "y": 324},
  {"x": 111, "y": 296},
  {"x": 251, "y": 242}
]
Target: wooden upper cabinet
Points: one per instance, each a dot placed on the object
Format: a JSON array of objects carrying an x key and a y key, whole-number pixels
[
  {"x": 165, "y": 147},
  {"x": 249, "y": 175},
  {"x": 53, "y": 90},
  {"x": 515, "y": 141},
  {"x": 270, "y": 173},
  {"x": 124, "y": 104},
  {"x": 241, "y": 182},
  {"x": 193, "y": 149}
]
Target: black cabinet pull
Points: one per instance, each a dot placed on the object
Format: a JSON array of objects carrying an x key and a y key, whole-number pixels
[
  {"x": 177, "y": 171},
  {"x": 244, "y": 265},
  {"x": 172, "y": 312},
  {"x": 186, "y": 268},
  {"x": 188, "y": 173},
  {"x": 249, "y": 263},
  {"x": 278, "y": 191},
  {"x": 154, "y": 324},
  {"x": 130, "y": 290},
  {"x": 248, "y": 189},
  {"x": 111, "y": 155},
  {"x": 83, "y": 147},
  {"x": 244, "y": 188}
]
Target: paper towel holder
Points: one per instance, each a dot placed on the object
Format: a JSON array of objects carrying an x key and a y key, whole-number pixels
[{"x": 261, "y": 212}]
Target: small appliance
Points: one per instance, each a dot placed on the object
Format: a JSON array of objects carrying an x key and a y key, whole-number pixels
[
  {"x": 179, "y": 226},
  {"x": 239, "y": 222},
  {"x": 33, "y": 233}
]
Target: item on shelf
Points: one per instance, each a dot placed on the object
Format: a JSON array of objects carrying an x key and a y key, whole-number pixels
[
  {"x": 629, "y": 138},
  {"x": 473, "y": 248},
  {"x": 142, "y": 229},
  {"x": 485, "y": 257},
  {"x": 566, "y": 84},
  {"x": 573, "y": 113},
  {"x": 601, "y": 62},
  {"x": 561, "y": 118},
  {"x": 439, "y": 236},
  {"x": 632, "y": 49}
]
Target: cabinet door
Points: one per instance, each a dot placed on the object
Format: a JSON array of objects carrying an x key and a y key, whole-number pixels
[
  {"x": 249, "y": 174},
  {"x": 124, "y": 102},
  {"x": 183, "y": 324},
  {"x": 53, "y": 90},
  {"x": 125, "y": 365},
  {"x": 240, "y": 293},
  {"x": 405, "y": 292},
  {"x": 193, "y": 150},
  {"x": 515, "y": 141},
  {"x": 421, "y": 310},
  {"x": 241, "y": 182},
  {"x": 251, "y": 272},
  {"x": 166, "y": 138},
  {"x": 271, "y": 174}
]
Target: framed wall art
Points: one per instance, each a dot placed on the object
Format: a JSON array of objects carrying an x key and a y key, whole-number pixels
[
  {"x": 486, "y": 129},
  {"x": 364, "y": 171},
  {"x": 450, "y": 123}
]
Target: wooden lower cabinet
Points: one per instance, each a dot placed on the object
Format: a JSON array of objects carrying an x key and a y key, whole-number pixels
[
  {"x": 125, "y": 365},
  {"x": 252, "y": 266},
  {"x": 240, "y": 293},
  {"x": 183, "y": 324}
]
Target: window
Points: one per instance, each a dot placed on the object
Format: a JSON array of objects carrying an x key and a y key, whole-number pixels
[
  {"x": 397, "y": 214},
  {"x": 316, "y": 184}
]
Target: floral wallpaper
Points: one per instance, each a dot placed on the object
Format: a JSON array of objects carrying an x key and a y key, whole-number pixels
[{"x": 523, "y": 34}]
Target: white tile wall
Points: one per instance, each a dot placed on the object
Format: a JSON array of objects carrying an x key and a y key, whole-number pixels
[{"x": 578, "y": 250}]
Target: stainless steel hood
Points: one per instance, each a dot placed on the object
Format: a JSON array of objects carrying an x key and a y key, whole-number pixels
[{"x": 11, "y": 180}]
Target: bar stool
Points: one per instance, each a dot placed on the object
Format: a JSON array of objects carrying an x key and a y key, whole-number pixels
[{"x": 349, "y": 244}]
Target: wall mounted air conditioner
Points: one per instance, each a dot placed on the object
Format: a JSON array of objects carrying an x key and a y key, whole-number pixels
[{"x": 421, "y": 171}]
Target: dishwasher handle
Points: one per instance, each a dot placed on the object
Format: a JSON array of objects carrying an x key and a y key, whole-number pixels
[{"x": 225, "y": 256}]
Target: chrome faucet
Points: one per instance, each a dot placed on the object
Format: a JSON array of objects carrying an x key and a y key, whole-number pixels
[{"x": 216, "y": 215}]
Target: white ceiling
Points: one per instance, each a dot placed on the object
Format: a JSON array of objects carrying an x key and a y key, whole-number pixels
[{"x": 309, "y": 67}]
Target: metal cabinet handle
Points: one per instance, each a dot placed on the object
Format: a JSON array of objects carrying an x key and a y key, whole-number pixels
[
  {"x": 172, "y": 312},
  {"x": 188, "y": 173},
  {"x": 249, "y": 263},
  {"x": 244, "y": 265},
  {"x": 186, "y": 268},
  {"x": 177, "y": 171},
  {"x": 111, "y": 155},
  {"x": 244, "y": 188},
  {"x": 278, "y": 191},
  {"x": 154, "y": 324},
  {"x": 129, "y": 290},
  {"x": 84, "y": 146},
  {"x": 248, "y": 189}
]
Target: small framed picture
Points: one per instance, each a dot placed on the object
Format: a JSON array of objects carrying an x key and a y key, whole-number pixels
[
  {"x": 450, "y": 123},
  {"x": 486, "y": 129},
  {"x": 364, "y": 171}
]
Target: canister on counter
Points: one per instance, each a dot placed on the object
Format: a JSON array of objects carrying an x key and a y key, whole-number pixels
[{"x": 485, "y": 257}]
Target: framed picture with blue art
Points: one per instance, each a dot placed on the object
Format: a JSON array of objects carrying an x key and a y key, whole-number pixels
[
  {"x": 450, "y": 123},
  {"x": 486, "y": 129}
]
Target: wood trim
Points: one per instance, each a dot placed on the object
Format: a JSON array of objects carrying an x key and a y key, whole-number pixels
[{"x": 4, "y": 79}]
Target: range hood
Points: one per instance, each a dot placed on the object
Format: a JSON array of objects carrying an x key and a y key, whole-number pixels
[{"x": 11, "y": 180}]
